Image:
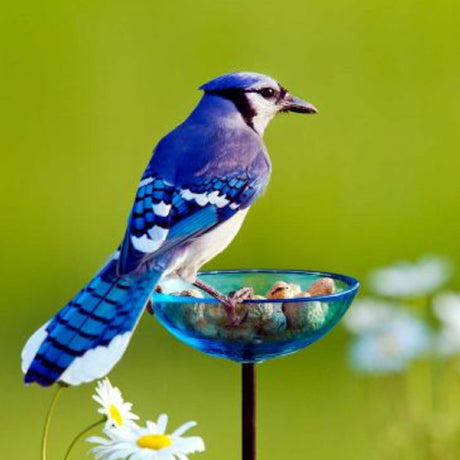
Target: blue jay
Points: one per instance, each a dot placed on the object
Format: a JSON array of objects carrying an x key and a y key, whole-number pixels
[{"x": 191, "y": 201}]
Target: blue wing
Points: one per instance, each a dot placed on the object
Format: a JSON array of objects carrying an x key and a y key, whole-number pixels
[{"x": 165, "y": 216}]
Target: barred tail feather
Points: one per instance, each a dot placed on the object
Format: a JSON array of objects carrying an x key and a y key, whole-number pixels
[{"x": 90, "y": 334}]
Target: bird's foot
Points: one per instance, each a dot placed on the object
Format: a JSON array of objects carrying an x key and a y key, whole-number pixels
[
  {"x": 149, "y": 307},
  {"x": 236, "y": 298},
  {"x": 230, "y": 309},
  {"x": 241, "y": 294},
  {"x": 229, "y": 302},
  {"x": 149, "y": 304}
]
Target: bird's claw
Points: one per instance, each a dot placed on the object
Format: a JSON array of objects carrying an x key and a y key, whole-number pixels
[
  {"x": 230, "y": 309},
  {"x": 242, "y": 294},
  {"x": 149, "y": 307},
  {"x": 229, "y": 302},
  {"x": 233, "y": 300}
]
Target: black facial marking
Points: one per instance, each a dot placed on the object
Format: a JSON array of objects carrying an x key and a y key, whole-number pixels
[
  {"x": 267, "y": 93},
  {"x": 282, "y": 92},
  {"x": 238, "y": 97}
]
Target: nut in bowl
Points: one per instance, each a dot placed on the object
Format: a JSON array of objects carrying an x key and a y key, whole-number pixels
[{"x": 282, "y": 312}]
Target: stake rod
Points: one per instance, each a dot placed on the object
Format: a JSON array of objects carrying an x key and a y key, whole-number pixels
[{"x": 249, "y": 411}]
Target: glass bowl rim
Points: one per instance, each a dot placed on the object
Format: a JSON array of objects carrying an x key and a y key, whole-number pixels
[{"x": 352, "y": 283}]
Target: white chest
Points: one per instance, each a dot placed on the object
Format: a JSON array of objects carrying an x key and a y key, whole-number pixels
[{"x": 206, "y": 247}]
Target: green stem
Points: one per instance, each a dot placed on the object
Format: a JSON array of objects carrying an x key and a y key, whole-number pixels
[
  {"x": 48, "y": 420},
  {"x": 80, "y": 435}
]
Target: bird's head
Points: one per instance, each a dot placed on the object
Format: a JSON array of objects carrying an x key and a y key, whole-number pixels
[{"x": 257, "y": 97}]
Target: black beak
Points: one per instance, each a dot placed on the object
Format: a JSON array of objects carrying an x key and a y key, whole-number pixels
[{"x": 297, "y": 105}]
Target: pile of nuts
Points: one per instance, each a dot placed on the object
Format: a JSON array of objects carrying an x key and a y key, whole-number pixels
[{"x": 257, "y": 321}]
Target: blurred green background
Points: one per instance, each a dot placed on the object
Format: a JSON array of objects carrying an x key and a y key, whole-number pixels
[{"x": 88, "y": 88}]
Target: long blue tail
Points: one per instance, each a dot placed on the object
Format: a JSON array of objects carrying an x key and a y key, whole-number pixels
[{"x": 90, "y": 334}]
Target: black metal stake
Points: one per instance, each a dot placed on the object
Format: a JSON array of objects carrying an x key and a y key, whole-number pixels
[{"x": 249, "y": 411}]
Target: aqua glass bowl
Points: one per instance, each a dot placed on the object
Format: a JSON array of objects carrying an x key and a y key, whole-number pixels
[{"x": 270, "y": 328}]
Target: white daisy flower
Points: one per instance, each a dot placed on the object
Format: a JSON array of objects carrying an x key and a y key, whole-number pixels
[
  {"x": 391, "y": 346},
  {"x": 147, "y": 443},
  {"x": 368, "y": 314},
  {"x": 408, "y": 280},
  {"x": 113, "y": 407},
  {"x": 446, "y": 307}
]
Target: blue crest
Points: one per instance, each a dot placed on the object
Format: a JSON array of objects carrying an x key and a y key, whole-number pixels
[{"x": 239, "y": 80}]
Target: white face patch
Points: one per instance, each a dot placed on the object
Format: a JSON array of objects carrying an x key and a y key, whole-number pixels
[{"x": 264, "y": 108}]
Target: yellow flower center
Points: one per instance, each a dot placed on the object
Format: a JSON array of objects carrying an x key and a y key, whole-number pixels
[
  {"x": 115, "y": 415},
  {"x": 154, "y": 441}
]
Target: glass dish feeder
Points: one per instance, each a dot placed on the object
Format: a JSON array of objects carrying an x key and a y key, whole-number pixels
[{"x": 267, "y": 328}]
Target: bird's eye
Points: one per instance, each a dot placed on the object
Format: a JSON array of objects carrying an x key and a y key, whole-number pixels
[{"x": 267, "y": 93}]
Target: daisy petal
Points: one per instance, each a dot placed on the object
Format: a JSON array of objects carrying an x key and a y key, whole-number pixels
[
  {"x": 162, "y": 422},
  {"x": 183, "y": 428},
  {"x": 181, "y": 456}
]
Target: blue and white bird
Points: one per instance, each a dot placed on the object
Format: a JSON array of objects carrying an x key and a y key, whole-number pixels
[{"x": 192, "y": 199}]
